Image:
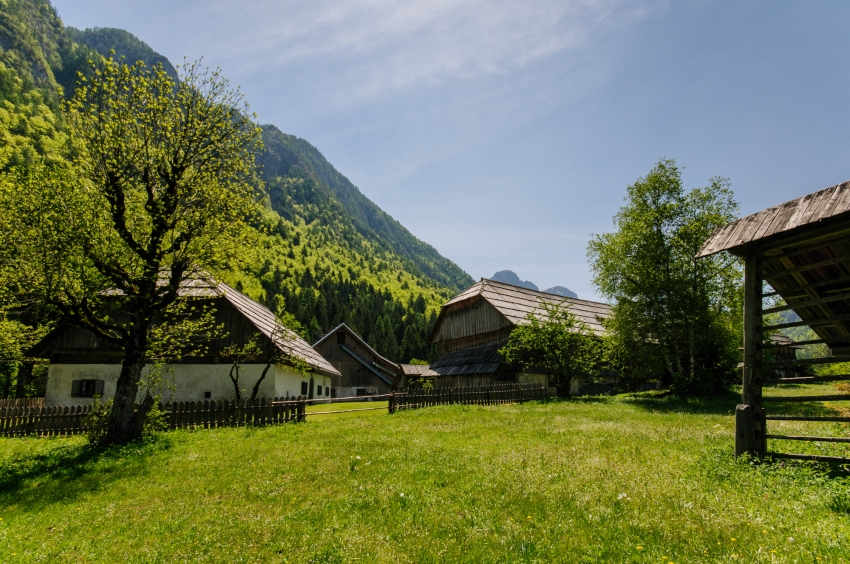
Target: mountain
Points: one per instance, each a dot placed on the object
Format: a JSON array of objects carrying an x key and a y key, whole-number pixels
[
  {"x": 561, "y": 291},
  {"x": 323, "y": 249},
  {"x": 510, "y": 277}
]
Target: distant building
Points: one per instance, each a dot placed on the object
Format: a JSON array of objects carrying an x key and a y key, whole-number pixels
[
  {"x": 361, "y": 370},
  {"x": 475, "y": 324},
  {"x": 414, "y": 375},
  {"x": 83, "y": 365}
]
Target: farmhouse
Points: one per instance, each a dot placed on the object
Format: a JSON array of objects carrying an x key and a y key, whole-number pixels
[
  {"x": 361, "y": 370},
  {"x": 475, "y": 324},
  {"x": 83, "y": 365}
]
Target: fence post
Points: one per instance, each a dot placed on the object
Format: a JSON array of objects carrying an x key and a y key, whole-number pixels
[{"x": 391, "y": 406}]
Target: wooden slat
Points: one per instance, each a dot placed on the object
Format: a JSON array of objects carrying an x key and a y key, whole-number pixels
[
  {"x": 811, "y": 323},
  {"x": 825, "y": 418},
  {"x": 803, "y": 268},
  {"x": 785, "y": 399},
  {"x": 808, "y": 361},
  {"x": 809, "y": 303},
  {"x": 812, "y": 457},
  {"x": 810, "y": 379},
  {"x": 811, "y": 439}
]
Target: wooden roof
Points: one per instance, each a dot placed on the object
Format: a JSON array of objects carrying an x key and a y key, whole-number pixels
[
  {"x": 417, "y": 370},
  {"x": 343, "y": 327},
  {"x": 516, "y": 302},
  {"x": 479, "y": 360},
  {"x": 822, "y": 206},
  {"x": 264, "y": 320}
]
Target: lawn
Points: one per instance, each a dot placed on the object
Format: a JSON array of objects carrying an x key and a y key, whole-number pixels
[{"x": 625, "y": 479}]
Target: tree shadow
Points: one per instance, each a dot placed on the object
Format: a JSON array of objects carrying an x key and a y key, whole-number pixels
[
  {"x": 66, "y": 471},
  {"x": 666, "y": 402}
]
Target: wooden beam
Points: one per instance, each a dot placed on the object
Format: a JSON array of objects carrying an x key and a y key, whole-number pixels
[
  {"x": 752, "y": 383},
  {"x": 809, "y": 379},
  {"x": 813, "y": 285},
  {"x": 808, "y": 303},
  {"x": 808, "y": 361},
  {"x": 807, "y": 418},
  {"x": 811, "y": 266},
  {"x": 812, "y": 439},
  {"x": 814, "y": 457},
  {"x": 772, "y": 345},
  {"x": 814, "y": 322},
  {"x": 784, "y": 399}
]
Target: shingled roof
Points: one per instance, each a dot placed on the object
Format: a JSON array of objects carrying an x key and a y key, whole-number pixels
[
  {"x": 264, "y": 320},
  {"x": 516, "y": 302},
  {"x": 824, "y": 205}
]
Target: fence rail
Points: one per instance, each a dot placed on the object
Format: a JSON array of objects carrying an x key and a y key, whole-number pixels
[
  {"x": 495, "y": 394},
  {"x": 54, "y": 421}
]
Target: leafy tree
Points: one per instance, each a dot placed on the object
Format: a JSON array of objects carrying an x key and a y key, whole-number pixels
[
  {"x": 557, "y": 343},
  {"x": 161, "y": 183},
  {"x": 675, "y": 317}
]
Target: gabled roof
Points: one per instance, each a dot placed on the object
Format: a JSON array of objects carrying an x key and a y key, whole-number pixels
[
  {"x": 516, "y": 302},
  {"x": 820, "y": 206},
  {"x": 264, "y": 320},
  {"x": 336, "y": 329}
]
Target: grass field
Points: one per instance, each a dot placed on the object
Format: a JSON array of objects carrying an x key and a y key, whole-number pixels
[{"x": 625, "y": 479}]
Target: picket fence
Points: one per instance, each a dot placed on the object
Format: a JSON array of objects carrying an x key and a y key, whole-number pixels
[
  {"x": 494, "y": 394},
  {"x": 54, "y": 421},
  {"x": 21, "y": 402}
]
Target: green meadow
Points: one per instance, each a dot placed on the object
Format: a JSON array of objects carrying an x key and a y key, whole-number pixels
[{"x": 633, "y": 478}]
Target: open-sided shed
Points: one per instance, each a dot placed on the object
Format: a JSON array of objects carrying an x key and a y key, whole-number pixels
[{"x": 802, "y": 250}]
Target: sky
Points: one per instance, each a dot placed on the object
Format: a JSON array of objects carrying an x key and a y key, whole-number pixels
[{"x": 505, "y": 132}]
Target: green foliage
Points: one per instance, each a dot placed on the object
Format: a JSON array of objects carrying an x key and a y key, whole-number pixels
[
  {"x": 623, "y": 479},
  {"x": 557, "y": 343},
  {"x": 97, "y": 420},
  {"x": 418, "y": 362},
  {"x": 675, "y": 317}
]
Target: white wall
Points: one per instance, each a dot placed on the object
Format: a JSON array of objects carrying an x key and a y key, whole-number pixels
[{"x": 181, "y": 382}]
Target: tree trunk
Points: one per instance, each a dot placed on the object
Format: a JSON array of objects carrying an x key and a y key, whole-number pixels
[
  {"x": 24, "y": 378},
  {"x": 235, "y": 381},
  {"x": 125, "y": 422},
  {"x": 262, "y": 377}
]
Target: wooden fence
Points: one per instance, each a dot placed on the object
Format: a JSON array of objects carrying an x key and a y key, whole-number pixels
[
  {"x": 21, "y": 402},
  {"x": 495, "y": 394},
  {"x": 52, "y": 421}
]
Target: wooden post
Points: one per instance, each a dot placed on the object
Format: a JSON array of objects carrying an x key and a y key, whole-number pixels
[
  {"x": 745, "y": 438},
  {"x": 752, "y": 379},
  {"x": 391, "y": 406}
]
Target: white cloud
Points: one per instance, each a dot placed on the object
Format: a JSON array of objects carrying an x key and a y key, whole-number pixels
[{"x": 397, "y": 44}]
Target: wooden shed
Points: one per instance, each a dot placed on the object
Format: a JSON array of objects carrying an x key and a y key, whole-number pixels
[
  {"x": 82, "y": 364},
  {"x": 413, "y": 374},
  {"x": 362, "y": 371},
  {"x": 801, "y": 249},
  {"x": 475, "y": 324}
]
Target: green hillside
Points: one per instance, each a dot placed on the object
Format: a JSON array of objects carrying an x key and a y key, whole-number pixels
[{"x": 322, "y": 248}]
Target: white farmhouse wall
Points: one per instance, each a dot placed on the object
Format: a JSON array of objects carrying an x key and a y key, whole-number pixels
[{"x": 182, "y": 382}]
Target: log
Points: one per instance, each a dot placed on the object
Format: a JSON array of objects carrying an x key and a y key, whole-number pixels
[
  {"x": 810, "y": 439},
  {"x": 783, "y": 399}
]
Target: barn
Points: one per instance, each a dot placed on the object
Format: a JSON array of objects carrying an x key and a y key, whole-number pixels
[
  {"x": 475, "y": 324},
  {"x": 83, "y": 365},
  {"x": 362, "y": 371}
]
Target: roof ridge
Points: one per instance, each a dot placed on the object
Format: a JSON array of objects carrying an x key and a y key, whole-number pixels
[{"x": 524, "y": 289}]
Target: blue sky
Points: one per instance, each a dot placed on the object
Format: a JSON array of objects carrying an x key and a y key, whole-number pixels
[{"x": 504, "y": 133}]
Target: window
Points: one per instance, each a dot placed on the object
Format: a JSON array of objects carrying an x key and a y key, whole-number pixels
[
  {"x": 207, "y": 395},
  {"x": 340, "y": 338},
  {"x": 318, "y": 390},
  {"x": 327, "y": 390},
  {"x": 303, "y": 388},
  {"x": 86, "y": 388}
]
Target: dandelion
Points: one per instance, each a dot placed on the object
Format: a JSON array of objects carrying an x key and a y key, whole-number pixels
[
  {"x": 529, "y": 516},
  {"x": 622, "y": 496},
  {"x": 640, "y": 548},
  {"x": 732, "y": 539}
]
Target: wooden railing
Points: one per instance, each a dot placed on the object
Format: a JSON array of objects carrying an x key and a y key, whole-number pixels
[
  {"x": 495, "y": 394},
  {"x": 51, "y": 421},
  {"x": 21, "y": 402}
]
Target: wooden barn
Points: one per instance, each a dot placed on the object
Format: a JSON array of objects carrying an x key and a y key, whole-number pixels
[
  {"x": 475, "y": 324},
  {"x": 362, "y": 371},
  {"x": 83, "y": 365},
  {"x": 799, "y": 251},
  {"x": 414, "y": 374}
]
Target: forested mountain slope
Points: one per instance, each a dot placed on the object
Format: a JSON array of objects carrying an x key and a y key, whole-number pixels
[{"x": 322, "y": 248}]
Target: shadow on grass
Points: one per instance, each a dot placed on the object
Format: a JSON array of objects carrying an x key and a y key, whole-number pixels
[
  {"x": 65, "y": 471},
  {"x": 666, "y": 402}
]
